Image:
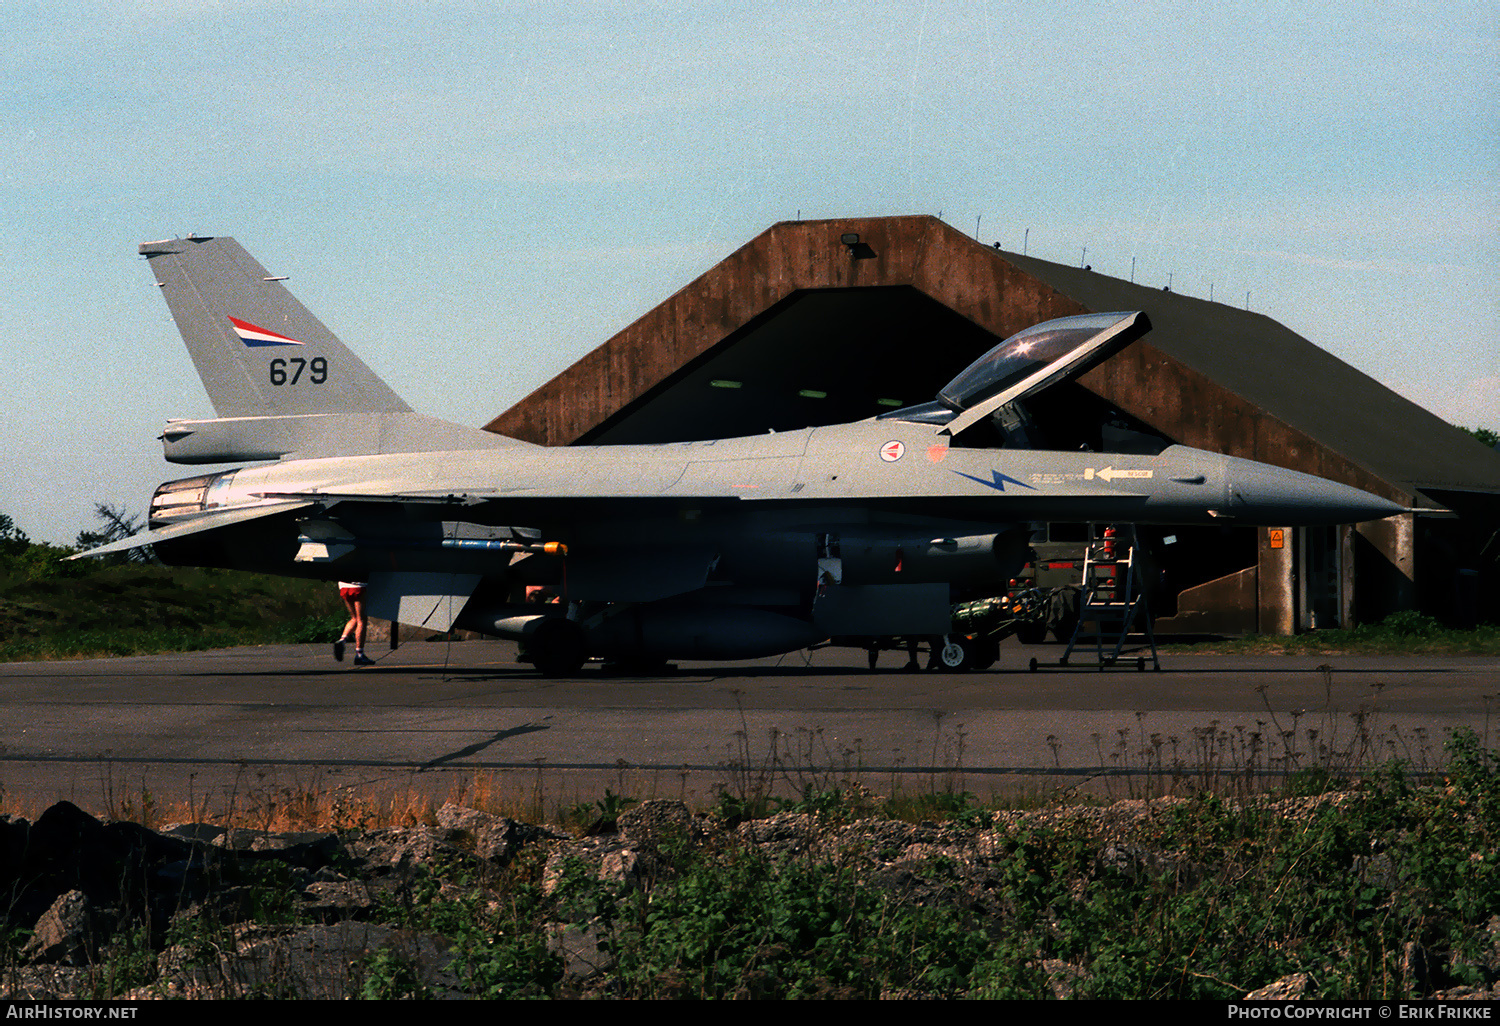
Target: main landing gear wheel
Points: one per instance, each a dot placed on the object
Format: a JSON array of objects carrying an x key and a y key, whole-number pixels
[
  {"x": 986, "y": 654},
  {"x": 951, "y": 653},
  {"x": 556, "y": 648}
]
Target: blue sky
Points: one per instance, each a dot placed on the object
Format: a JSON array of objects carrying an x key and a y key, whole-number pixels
[{"x": 475, "y": 195}]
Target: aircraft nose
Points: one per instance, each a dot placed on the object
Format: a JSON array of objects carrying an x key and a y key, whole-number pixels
[{"x": 1261, "y": 493}]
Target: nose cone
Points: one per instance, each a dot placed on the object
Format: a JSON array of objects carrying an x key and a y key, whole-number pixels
[{"x": 1259, "y": 493}]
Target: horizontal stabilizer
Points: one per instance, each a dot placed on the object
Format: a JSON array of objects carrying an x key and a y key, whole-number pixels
[{"x": 200, "y": 523}]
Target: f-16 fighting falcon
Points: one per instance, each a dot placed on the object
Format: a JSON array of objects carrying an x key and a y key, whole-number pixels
[{"x": 723, "y": 549}]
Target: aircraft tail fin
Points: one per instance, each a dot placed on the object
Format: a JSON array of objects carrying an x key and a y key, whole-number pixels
[{"x": 259, "y": 351}]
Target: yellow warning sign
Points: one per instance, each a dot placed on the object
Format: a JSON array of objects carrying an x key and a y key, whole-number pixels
[{"x": 1278, "y": 538}]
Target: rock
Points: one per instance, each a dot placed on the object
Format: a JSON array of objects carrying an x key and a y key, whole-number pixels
[
  {"x": 65, "y": 934},
  {"x": 401, "y": 850},
  {"x": 329, "y": 962},
  {"x": 656, "y": 822},
  {"x": 581, "y": 947},
  {"x": 786, "y": 833},
  {"x": 335, "y": 901},
  {"x": 494, "y": 839},
  {"x": 606, "y": 859},
  {"x": 308, "y": 849}
]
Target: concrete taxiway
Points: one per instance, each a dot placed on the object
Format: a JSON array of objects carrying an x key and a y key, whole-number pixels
[{"x": 236, "y": 725}]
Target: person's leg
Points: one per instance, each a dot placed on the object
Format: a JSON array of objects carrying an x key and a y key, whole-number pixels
[
  {"x": 349, "y": 628},
  {"x": 360, "y": 622}
]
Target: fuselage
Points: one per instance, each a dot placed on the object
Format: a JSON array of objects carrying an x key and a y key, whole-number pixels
[{"x": 884, "y": 471}]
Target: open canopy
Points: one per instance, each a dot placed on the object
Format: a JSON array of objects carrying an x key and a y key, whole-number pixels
[{"x": 1042, "y": 355}]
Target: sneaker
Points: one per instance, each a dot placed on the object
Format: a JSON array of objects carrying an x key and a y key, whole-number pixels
[
  {"x": 360, "y": 659},
  {"x": 338, "y": 650}
]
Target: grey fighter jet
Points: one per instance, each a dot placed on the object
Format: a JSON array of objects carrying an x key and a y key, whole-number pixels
[{"x": 725, "y": 549}]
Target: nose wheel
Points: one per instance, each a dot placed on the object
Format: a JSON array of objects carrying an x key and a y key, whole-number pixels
[{"x": 951, "y": 653}]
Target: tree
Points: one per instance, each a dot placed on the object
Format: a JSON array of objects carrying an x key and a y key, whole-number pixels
[
  {"x": 21, "y": 558},
  {"x": 116, "y": 525},
  {"x": 13, "y": 540},
  {"x": 1485, "y": 435}
]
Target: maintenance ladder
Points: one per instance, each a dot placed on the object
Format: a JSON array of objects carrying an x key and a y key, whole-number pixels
[{"x": 1111, "y": 600}]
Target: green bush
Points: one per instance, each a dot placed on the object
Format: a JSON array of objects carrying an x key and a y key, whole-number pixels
[
  {"x": 742, "y": 924},
  {"x": 1408, "y": 623}
]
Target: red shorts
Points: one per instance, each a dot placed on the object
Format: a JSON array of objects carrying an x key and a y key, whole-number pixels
[{"x": 351, "y": 593}]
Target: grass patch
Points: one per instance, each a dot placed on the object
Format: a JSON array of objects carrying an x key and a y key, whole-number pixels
[
  {"x": 137, "y": 609},
  {"x": 1405, "y": 633}
]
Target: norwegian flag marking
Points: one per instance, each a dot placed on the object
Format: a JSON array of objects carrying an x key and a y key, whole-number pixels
[{"x": 253, "y": 335}]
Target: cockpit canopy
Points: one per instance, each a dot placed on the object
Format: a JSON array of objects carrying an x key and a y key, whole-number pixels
[
  {"x": 982, "y": 406},
  {"x": 994, "y": 401},
  {"x": 1040, "y": 356}
]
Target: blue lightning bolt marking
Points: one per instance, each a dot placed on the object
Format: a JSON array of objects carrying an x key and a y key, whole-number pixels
[{"x": 999, "y": 480}]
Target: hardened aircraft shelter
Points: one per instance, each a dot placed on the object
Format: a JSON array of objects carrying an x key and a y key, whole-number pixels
[{"x": 821, "y": 322}]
